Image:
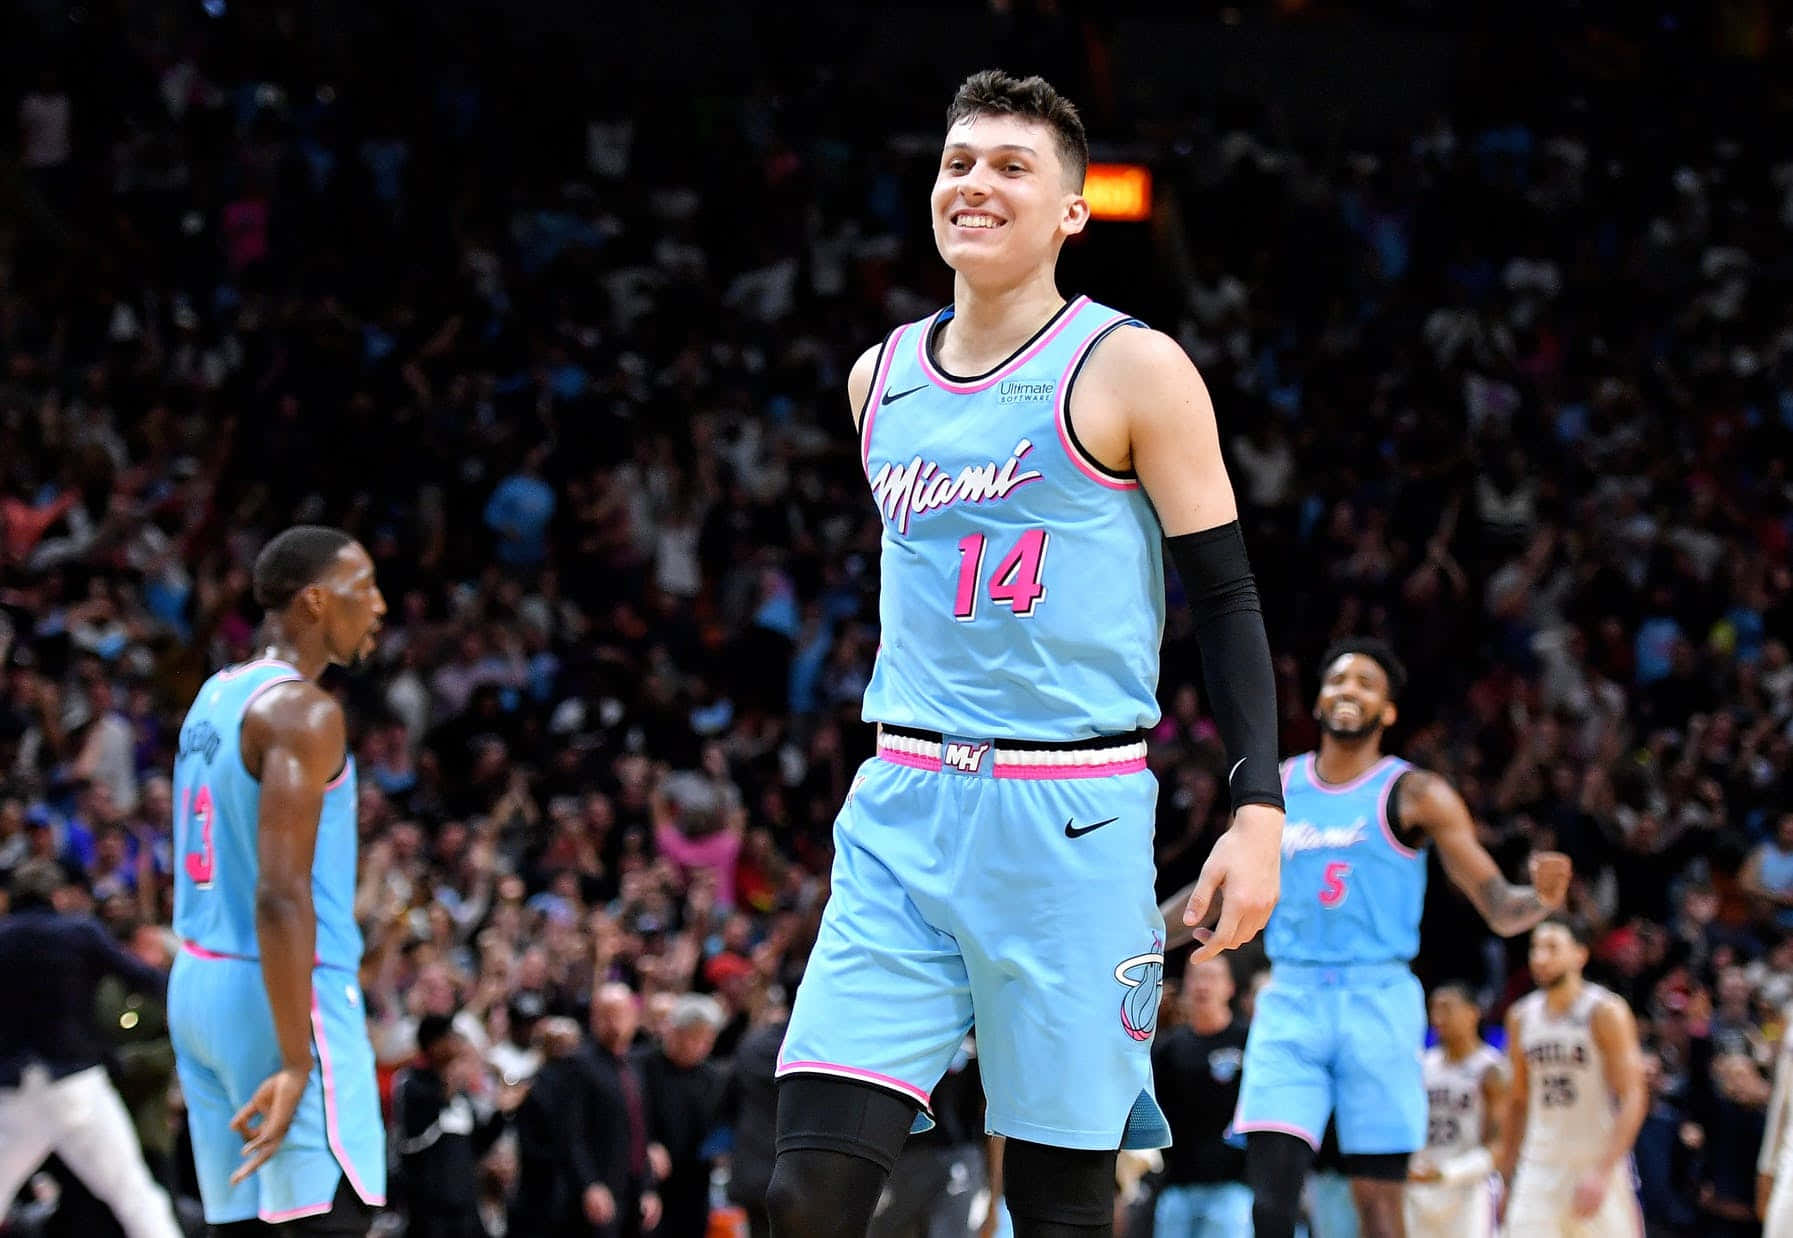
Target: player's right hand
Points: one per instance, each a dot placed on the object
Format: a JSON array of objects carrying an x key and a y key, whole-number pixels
[
  {"x": 1550, "y": 873},
  {"x": 600, "y": 1205},
  {"x": 1245, "y": 870},
  {"x": 274, "y": 1103},
  {"x": 1422, "y": 1168}
]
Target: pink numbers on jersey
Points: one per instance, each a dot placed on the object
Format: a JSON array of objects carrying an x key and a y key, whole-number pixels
[
  {"x": 1332, "y": 888},
  {"x": 196, "y": 809},
  {"x": 1016, "y": 581}
]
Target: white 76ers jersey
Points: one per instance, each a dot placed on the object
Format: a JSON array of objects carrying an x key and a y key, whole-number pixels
[
  {"x": 1457, "y": 1119},
  {"x": 1569, "y": 1108}
]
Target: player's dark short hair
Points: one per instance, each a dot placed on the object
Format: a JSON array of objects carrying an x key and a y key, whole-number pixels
[
  {"x": 1457, "y": 989},
  {"x": 992, "y": 92},
  {"x": 1579, "y": 930},
  {"x": 1377, "y": 651},
  {"x": 293, "y": 560}
]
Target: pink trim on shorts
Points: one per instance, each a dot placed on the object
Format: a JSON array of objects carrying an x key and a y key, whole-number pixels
[
  {"x": 871, "y": 400},
  {"x": 1041, "y": 773},
  {"x": 957, "y": 388},
  {"x": 1277, "y": 1128},
  {"x": 931, "y": 764},
  {"x": 1340, "y": 788},
  {"x": 1061, "y": 412},
  {"x": 200, "y": 952},
  {"x": 293, "y": 1214},
  {"x": 332, "y": 1121},
  {"x": 853, "y": 1072},
  {"x": 1400, "y": 848}
]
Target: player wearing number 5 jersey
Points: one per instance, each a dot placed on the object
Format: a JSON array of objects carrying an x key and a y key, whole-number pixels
[
  {"x": 264, "y": 1005},
  {"x": 1338, "y": 1031},
  {"x": 1028, "y": 455},
  {"x": 1578, "y": 1099}
]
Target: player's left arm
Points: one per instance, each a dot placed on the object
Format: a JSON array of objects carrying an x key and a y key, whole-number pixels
[
  {"x": 1140, "y": 397},
  {"x": 1615, "y": 1033},
  {"x": 1431, "y": 803}
]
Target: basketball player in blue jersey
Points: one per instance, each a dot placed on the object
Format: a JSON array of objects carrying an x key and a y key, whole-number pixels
[
  {"x": 1339, "y": 1031},
  {"x": 264, "y": 1007},
  {"x": 1028, "y": 455}
]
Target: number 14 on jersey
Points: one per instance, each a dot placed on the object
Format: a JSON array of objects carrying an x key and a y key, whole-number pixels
[{"x": 1016, "y": 581}]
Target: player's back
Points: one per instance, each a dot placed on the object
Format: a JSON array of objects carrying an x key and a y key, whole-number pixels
[
  {"x": 1569, "y": 1108},
  {"x": 1457, "y": 1119},
  {"x": 1351, "y": 891},
  {"x": 216, "y": 829},
  {"x": 1022, "y": 583}
]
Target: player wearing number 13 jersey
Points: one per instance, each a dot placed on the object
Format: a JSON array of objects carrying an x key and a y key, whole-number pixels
[
  {"x": 1339, "y": 1030},
  {"x": 264, "y": 1005},
  {"x": 1027, "y": 455}
]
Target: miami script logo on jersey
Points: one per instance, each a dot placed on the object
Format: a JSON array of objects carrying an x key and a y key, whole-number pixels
[
  {"x": 1143, "y": 976},
  {"x": 1299, "y": 836},
  {"x": 923, "y": 486}
]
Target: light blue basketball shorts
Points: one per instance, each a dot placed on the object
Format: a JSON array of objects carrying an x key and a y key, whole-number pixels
[
  {"x": 1342, "y": 1042},
  {"x": 1006, "y": 888},
  {"x": 224, "y": 1046}
]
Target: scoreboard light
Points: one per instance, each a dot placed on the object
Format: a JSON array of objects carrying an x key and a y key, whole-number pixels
[{"x": 1120, "y": 191}]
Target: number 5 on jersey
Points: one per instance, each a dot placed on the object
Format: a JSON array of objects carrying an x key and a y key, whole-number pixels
[
  {"x": 1016, "y": 581},
  {"x": 196, "y": 809},
  {"x": 1332, "y": 884}
]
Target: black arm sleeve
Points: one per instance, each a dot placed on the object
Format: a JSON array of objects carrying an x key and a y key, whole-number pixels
[{"x": 1229, "y": 627}]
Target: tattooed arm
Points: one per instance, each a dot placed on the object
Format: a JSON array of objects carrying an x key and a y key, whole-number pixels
[{"x": 1430, "y": 803}]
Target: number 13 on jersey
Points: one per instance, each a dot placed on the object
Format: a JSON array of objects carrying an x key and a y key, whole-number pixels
[{"x": 1016, "y": 581}]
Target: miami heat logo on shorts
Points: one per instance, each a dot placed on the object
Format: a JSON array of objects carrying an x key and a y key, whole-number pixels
[{"x": 1143, "y": 976}]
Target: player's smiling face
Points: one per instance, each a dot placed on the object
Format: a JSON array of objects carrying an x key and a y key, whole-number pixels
[
  {"x": 1001, "y": 200},
  {"x": 1354, "y": 697}
]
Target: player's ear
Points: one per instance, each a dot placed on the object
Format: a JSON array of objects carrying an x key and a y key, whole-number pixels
[
  {"x": 1076, "y": 214},
  {"x": 1389, "y": 714}
]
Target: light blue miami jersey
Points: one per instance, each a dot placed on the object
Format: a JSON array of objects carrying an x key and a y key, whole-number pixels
[
  {"x": 216, "y": 812},
  {"x": 1351, "y": 891},
  {"x": 1022, "y": 589}
]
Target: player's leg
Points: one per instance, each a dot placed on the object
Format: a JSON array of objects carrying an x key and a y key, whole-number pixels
[
  {"x": 883, "y": 1006},
  {"x": 99, "y": 1145},
  {"x": 1065, "y": 950},
  {"x": 28, "y": 1125},
  {"x": 1377, "y": 1185},
  {"x": 1276, "y": 1168},
  {"x": 198, "y": 991},
  {"x": 1285, "y": 1098},
  {"x": 1381, "y": 1097}
]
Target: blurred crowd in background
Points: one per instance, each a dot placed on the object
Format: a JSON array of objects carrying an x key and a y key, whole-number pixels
[{"x": 1512, "y": 388}]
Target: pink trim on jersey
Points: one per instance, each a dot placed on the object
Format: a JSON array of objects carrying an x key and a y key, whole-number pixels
[
  {"x": 931, "y": 764},
  {"x": 1060, "y": 412},
  {"x": 871, "y": 401},
  {"x": 293, "y": 1214},
  {"x": 1280, "y": 1128},
  {"x": 348, "y": 767},
  {"x": 1388, "y": 789},
  {"x": 246, "y": 667},
  {"x": 853, "y": 1072},
  {"x": 1340, "y": 788},
  {"x": 272, "y": 683},
  {"x": 1041, "y": 773},
  {"x": 332, "y": 1120},
  {"x": 958, "y": 388}
]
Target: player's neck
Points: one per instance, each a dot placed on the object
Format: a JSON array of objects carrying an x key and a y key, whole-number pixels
[
  {"x": 1559, "y": 997},
  {"x": 990, "y": 323},
  {"x": 1459, "y": 1052},
  {"x": 1341, "y": 760},
  {"x": 277, "y": 644}
]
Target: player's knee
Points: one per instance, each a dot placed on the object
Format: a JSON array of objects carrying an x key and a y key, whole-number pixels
[
  {"x": 1072, "y": 1187},
  {"x": 1276, "y": 1166},
  {"x": 819, "y": 1193}
]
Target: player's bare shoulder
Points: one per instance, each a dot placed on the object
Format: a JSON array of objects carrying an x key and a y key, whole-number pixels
[
  {"x": 1138, "y": 390},
  {"x": 297, "y": 716},
  {"x": 859, "y": 382}
]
